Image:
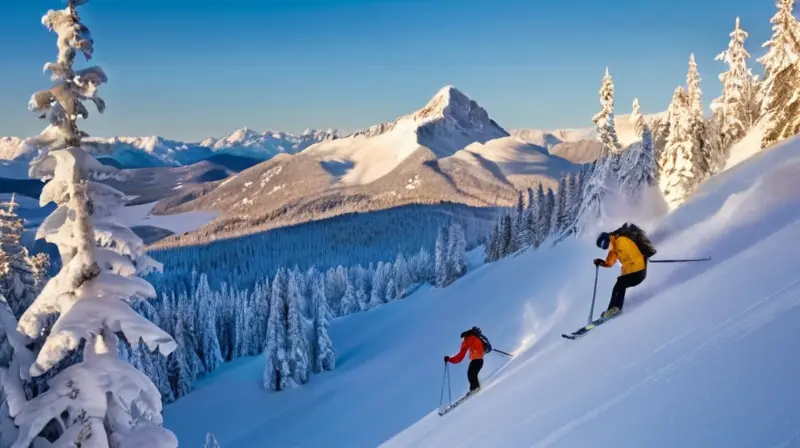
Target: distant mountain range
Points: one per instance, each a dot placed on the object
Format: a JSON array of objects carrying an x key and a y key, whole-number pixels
[{"x": 450, "y": 150}]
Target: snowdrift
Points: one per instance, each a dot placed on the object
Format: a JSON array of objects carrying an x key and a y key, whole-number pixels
[{"x": 703, "y": 354}]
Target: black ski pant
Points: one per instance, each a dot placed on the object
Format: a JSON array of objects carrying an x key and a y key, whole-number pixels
[
  {"x": 472, "y": 373},
  {"x": 624, "y": 282}
]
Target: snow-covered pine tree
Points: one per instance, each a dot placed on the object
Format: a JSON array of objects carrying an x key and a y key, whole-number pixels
[
  {"x": 702, "y": 155},
  {"x": 640, "y": 167},
  {"x": 22, "y": 275},
  {"x": 781, "y": 86},
  {"x": 593, "y": 193},
  {"x": 349, "y": 302},
  {"x": 677, "y": 178},
  {"x": 101, "y": 400},
  {"x": 520, "y": 235},
  {"x": 737, "y": 108},
  {"x": 492, "y": 249},
  {"x": 325, "y": 359},
  {"x": 277, "y": 371},
  {"x": 181, "y": 373},
  {"x": 402, "y": 276},
  {"x": 379, "y": 280},
  {"x": 208, "y": 304},
  {"x": 457, "y": 251},
  {"x": 441, "y": 261},
  {"x": 296, "y": 342},
  {"x": 541, "y": 214},
  {"x": 605, "y": 123},
  {"x": 562, "y": 207}
]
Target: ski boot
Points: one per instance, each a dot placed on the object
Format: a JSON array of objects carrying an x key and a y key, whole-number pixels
[{"x": 611, "y": 312}]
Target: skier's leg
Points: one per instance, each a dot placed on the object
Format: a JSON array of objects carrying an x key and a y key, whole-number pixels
[
  {"x": 472, "y": 374},
  {"x": 623, "y": 283}
]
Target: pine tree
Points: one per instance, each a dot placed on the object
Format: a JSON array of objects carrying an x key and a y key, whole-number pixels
[
  {"x": 702, "y": 156},
  {"x": 402, "y": 276},
  {"x": 781, "y": 86},
  {"x": 639, "y": 167},
  {"x": 208, "y": 304},
  {"x": 297, "y": 345},
  {"x": 520, "y": 229},
  {"x": 442, "y": 279},
  {"x": 349, "y": 303},
  {"x": 277, "y": 371},
  {"x": 22, "y": 276},
  {"x": 180, "y": 371},
  {"x": 562, "y": 207},
  {"x": 604, "y": 120},
  {"x": 677, "y": 178},
  {"x": 456, "y": 253},
  {"x": 325, "y": 358},
  {"x": 379, "y": 280},
  {"x": 737, "y": 109},
  {"x": 99, "y": 400}
]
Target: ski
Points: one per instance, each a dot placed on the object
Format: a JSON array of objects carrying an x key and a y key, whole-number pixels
[
  {"x": 585, "y": 329},
  {"x": 453, "y": 405}
]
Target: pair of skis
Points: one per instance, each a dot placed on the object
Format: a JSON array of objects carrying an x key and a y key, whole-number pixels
[
  {"x": 585, "y": 329},
  {"x": 445, "y": 409}
]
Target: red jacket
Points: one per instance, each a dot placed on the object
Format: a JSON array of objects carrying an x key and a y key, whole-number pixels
[{"x": 475, "y": 347}]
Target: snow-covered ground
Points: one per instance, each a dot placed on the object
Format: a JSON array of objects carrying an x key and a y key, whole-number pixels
[
  {"x": 703, "y": 355},
  {"x": 139, "y": 215}
]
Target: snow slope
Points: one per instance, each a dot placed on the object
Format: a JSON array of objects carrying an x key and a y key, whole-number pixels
[{"x": 703, "y": 356}]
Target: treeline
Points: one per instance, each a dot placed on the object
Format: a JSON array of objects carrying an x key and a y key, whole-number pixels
[{"x": 285, "y": 317}]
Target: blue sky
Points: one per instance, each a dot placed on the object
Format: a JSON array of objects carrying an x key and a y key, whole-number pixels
[{"x": 190, "y": 69}]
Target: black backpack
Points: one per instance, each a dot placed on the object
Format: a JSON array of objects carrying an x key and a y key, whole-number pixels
[
  {"x": 638, "y": 236},
  {"x": 475, "y": 331}
]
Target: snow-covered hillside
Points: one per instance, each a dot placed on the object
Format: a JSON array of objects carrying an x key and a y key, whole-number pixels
[
  {"x": 702, "y": 356},
  {"x": 448, "y": 123}
]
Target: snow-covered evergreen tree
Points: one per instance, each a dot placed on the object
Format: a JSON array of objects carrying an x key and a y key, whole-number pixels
[
  {"x": 101, "y": 400},
  {"x": 296, "y": 342},
  {"x": 441, "y": 261},
  {"x": 349, "y": 302},
  {"x": 677, "y": 178},
  {"x": 402, "y": 276},
  {"x": 605, "y": 122},
  {"x": 781, "y": 86},
  {"x": 277, "y": 370},
  {"x": 737, "y": 109},
  {"x": 325, "y": 358},
  {"x": 639, "y": 165},
  {"x": 208, "y": 305},
  {"x": 22, "y": 275},
  {"x": 181, "y": 373},
  {"x": 457, "y": 251},
  {"x": 702, "y": 154}
]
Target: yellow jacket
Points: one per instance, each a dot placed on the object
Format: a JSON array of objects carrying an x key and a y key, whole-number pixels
[{"x": 625, "y": 250}]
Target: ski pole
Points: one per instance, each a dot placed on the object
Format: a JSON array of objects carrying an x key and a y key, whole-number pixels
[
  {"x": 594, "y": 293},
  {"x": 687, "y": 260},
  {"x": 502, "y": 352}
]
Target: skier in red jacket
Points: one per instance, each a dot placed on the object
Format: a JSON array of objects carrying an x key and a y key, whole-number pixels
[{"x": 472, "y": 343}]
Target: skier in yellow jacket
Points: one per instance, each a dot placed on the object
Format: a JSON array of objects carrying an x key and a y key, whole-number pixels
[{"x": 634, "y": 267}]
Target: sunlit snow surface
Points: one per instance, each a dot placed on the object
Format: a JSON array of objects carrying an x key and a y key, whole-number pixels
[{"x": 704, "y": 354}]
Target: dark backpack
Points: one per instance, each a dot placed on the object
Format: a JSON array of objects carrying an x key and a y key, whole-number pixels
[
  {"x": 475, "y": 331},
  {"x": 638, "y": 236}
]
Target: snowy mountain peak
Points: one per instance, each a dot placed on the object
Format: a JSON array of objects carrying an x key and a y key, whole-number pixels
[{"x": 447, "y": 100}]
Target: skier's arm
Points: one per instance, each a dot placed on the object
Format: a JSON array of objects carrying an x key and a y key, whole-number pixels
[
  {"x": 611, "y": 258},
  {"x": 457, "y": 358}
]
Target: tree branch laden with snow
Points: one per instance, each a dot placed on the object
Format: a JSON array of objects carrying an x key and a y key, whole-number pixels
[{"x": 100, "y": 400}]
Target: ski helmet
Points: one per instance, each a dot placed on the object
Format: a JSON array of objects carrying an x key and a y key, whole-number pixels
[{"x": 603, "y": 240}]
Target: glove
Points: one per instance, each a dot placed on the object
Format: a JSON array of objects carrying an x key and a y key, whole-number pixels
[
  {"x": 599, "y": 262},
  {"x": 446, "y": 358}
]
